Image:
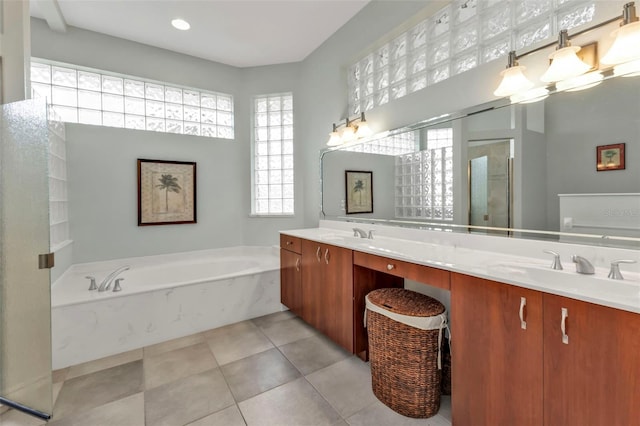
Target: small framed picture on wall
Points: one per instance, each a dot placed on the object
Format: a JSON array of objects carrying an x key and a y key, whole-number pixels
[
  {"x": 359, "y": 191},
  {"x": 610, "y": 157}
]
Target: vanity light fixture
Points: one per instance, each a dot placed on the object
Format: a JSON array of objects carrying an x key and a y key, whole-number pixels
[
  {"x": 628, "y": 69},
  {"x": 180, "y": 24},
  {"x": 581, "y": 82},
  {"x": 352, "y": 130},
  {"x": 626, "y": 46},
  {"x": 565, "y": 64},
  {"x": 530, "y": 96},
  {"x": 513, "y": 78}
]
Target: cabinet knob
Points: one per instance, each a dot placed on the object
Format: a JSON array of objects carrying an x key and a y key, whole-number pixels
[{"x": 390, "y": 267}]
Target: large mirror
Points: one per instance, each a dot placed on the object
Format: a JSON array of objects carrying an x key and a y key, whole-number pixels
[{"x": 553, "y": 169}]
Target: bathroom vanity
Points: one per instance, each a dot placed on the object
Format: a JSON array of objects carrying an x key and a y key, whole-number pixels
[{"x": 530, "y": 345}]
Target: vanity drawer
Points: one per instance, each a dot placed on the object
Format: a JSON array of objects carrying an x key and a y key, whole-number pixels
[
  {"x": 290, "y": 243},
  {"x": 424, "y": 274}
]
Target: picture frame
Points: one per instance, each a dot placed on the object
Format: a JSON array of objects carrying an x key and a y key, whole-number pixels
[
  {"x": 610, "y": 157},
  {"x": 358, "y": 191},
  {"x": 166, "y": 192}
]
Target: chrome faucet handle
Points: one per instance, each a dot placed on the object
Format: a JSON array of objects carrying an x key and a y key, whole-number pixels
[
  {"x": 556, "y": 260},
  {"x": 614, "y": 273},
  {"x": 116, "y": 286},
  {"x": 370, "y": 236},
  {"x": 93, "y": 285},
  {"x": 583, "y": 266}
]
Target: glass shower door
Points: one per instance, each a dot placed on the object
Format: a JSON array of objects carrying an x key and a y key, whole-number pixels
[{"x": 25, "y": 293}]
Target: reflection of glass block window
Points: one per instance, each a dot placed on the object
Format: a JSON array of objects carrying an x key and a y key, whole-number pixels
[
  {"x": 424, "y": 180},
  {"x": 58, "y": 201},
  {"x": 399, "y": 144},
  {"x": 273, "y": 155},
  {"x": 456, "y": 39},
  {"x": 79, "y": 95}
]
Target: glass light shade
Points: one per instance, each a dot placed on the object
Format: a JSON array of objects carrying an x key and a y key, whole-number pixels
[
  {"x": 564, "y": 64},
  {"x": 513, "y": 81},
  {"x": 580, "y": 82},
  {"x": 363, "y": 130},
  {"x": 348, "y": 134},
  {"x": 626, "y": 46},
  {"x": 531, "y": 96},
  {"x": 334, "y": 139},
  {"x": 628, "y": 69}
]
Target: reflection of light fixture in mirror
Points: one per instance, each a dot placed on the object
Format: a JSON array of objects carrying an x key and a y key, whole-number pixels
[
  {"x": 565, "y": 63},
  {"x": 626, "y": 46},
  {"x": 628, "y": 69},
  {"x": 581, "y": 82},
  {"x": 530, "y": 96},
  {"x": 513, "y": 79},
  {"x": 354, "y": 129}
]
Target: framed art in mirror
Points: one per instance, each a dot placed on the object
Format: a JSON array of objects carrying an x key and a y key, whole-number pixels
[
  {"x": 610, "y": 157},
  {"x": 358, "y": 191},
  {"x": 166, "y": 192}
]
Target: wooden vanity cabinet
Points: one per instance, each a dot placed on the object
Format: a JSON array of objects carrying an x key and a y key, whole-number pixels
[
  {"x": 327, "y": 291},
  {"x": 291, "y": 274},
  {"x": 496, "y": 352},
  {"x": 594, "y": 378}
]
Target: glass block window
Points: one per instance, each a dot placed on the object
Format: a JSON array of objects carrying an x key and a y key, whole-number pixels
[
  {"x": 79, "y": 95},
  {"x": 399, "y": 144},
  {"x": 273, "y": 155},
  {"x": 58, "y": 201},
  {"x": 424, "y": 180},
  {"x": 462, "y": 36}
]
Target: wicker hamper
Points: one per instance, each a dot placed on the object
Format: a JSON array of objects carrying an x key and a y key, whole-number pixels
[{"x": 405, "y": 331}]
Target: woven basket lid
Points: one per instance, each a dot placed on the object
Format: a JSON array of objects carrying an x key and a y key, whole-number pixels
[{"x": 405, "y": 302}]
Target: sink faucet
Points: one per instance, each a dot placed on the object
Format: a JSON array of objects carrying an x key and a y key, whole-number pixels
[
  {"x": 357, "y": 232},
  {"x": 106, "y": 283},
  {"x": 583, "y": 266}
]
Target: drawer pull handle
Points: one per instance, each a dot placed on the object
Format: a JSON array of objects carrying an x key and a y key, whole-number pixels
[
  {"x": 390, "y": 266},
  {"x": 523, "y": 303},
  {"x": 563, "y": 326},
  {"x": 326, "y": 256},
  {"x": 298, "y": 264},
  {"x": 318, "y": 254}
]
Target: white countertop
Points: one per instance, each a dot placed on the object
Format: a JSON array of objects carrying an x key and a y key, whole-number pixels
[{"x": 495, "y": 262}]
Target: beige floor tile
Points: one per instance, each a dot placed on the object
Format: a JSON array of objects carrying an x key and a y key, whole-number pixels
[
  {"x": 56, "y": 388},
  {"x": 271, "y": 318},
  {"x": 346, "y": 385},
  {"x": 236, "y": 341},
  {"x": 287, "y": 331},
  {"x": 16, "y": 418},
  {"x": 103, "y": 363},
  {"x": 313, "y": 353},
  {"x": 378, "y": 414},
  {"x": 295, "y": 403},
  {"x": 127, "y": 411},
  {"x": 170, "y": 345},
  {"x": 166, "y": 367},
  {"x": 228, "y": 417},
  {"x": 188, "y": 399},
  {"x": 83, "y": 393},
  {"x": 59, "y": 375},
  {"x": 258, "y": 373}
]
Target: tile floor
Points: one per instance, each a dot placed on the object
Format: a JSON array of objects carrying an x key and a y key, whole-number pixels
[{"x": 272, "y": 370}]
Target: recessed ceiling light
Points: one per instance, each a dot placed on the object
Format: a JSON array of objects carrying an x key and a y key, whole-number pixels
[{"x": 180, "y": 24}]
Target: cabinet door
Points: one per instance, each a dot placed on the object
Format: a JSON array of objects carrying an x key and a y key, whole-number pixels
[
  {"x": 337, "y": 309},
  {"x": 592, "y": 377},
  {"x": 312, "y": 279},
  {"x": 291, "y": 281},
  {"x": 496, "y": 358}
]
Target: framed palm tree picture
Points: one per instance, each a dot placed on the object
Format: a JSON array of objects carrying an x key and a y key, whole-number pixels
[
  {"x": 166, "y": 192},
  {"x": 359, "y": 191}
]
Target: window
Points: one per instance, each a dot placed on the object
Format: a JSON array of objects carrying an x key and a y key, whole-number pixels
[
  {"x": 424, "y": 180},
  {"x": 459, "y": 37},
  {"x": 58, "y": 202},
  {"x": 273, "y": 155},
  {"x": 80, "y": 95}
]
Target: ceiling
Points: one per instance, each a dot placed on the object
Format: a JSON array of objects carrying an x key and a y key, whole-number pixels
[{"x": 242, "y": 33}]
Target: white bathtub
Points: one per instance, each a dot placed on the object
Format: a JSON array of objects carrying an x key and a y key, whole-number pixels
[{"x": 162, "y": 298}]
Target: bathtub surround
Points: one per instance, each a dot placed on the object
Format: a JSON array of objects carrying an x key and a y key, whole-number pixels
[{"x": 162, "y": 298}]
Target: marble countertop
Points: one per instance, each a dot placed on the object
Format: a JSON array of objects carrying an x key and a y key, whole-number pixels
[{"x": 523, "y": 271}]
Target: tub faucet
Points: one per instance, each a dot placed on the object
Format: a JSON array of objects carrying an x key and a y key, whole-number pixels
[
  {"x": 583, "y": 266},
  {"x": 357, "y": 232},
  {"x": 106, "y": 283}
]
